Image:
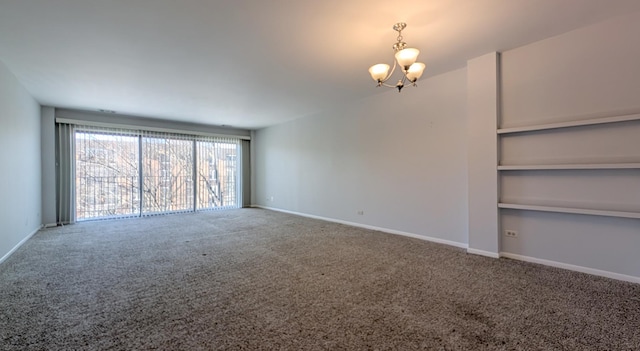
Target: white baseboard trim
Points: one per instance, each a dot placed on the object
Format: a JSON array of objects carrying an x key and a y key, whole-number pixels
[
  {"x": 483, "y": 253},
  {"x": 366, "y": 226},
  {"x": 593, "y": 271},
  {"x": 567, "y": 266},
  {"x": 50, "y": 225},
  {"x": 18, "y": 245}
]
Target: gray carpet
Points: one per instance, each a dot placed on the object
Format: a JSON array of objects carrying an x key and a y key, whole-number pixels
[{"x": 253, "y": 279}]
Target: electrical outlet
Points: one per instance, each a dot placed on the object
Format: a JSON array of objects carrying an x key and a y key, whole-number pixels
[
  {"x": 361, "y": 213},
  {"x": 511, "y": 233}
]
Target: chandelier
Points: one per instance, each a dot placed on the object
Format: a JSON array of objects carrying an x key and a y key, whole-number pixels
[{"x": 405, "y": 58}]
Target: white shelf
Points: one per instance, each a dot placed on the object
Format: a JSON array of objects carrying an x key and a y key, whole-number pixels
[
  {"x": 570, "y": 124},
  {"x": 570, "y": 166},
  {"x": 582, "y": 211}
]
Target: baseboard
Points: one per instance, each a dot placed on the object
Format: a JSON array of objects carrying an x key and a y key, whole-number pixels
[
  {"x": 18, "y": 245},
  {"x": 50, "y": 225},
  {"x": 365, "y": 226},
  {"x": 483, "y": 253},
  {"x": 593, "y": 271},
  {"x": 612, "y": 275}
]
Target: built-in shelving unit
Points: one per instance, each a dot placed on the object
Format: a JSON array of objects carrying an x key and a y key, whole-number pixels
[{"x": 608, "y": 173}]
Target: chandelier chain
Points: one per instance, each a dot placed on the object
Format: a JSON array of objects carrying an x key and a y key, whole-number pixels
[{"x": 399, "y": 27}]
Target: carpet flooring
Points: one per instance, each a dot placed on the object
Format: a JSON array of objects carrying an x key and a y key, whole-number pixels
[{"x": 253, "y": 279}]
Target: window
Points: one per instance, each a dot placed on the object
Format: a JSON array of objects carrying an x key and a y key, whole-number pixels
[{"x": 128, "y": 173}]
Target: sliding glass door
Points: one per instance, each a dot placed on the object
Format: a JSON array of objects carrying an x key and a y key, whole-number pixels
[
  {"x": 167, "y": 174},
  {"x": 125, "y": 174},
  {"x": 217, "y": 175},
  {"x": 107, "y": 175}
]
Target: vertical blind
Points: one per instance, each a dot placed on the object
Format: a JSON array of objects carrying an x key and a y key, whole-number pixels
[
  {"x": 123, "y": 173},
  {"x": 217, "y": 173},
  {"x": 106, "y": 173},
  {"x": 167, "y": 173},
  {"x": 65, "y": 165}
]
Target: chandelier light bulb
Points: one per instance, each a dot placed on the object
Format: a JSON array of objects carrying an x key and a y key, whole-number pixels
[
  {"x": 407, "y": 57},
  {"x": 379, "y": 72},
  {"x": 415, "y": 71}
]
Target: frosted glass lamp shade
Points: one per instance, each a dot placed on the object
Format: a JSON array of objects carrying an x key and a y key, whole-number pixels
[
  {"x": 406, "y": 57},
  {"x": 379, "y": 72},
  {"x": 415, "y": 71}
]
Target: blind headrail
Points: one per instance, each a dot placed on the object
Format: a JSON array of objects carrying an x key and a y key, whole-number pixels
[{"x": 80, "y": 122}]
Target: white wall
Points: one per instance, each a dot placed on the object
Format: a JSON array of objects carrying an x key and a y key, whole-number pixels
[
  {"x": 482, "y": 116},
  {"x": 20, "y": 177},
  {"x": 400, "y": 158},
  {"x": 587, "y": 73}
]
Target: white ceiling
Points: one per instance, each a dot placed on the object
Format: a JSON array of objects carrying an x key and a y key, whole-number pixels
[{"x": 254, "y": 63}]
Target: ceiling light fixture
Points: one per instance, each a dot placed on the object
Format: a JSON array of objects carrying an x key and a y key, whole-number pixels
[{"x": 405, "y": 58}]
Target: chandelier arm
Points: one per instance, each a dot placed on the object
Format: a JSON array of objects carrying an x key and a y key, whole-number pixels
[
  {"x": 388, "y": 85},
  {"x": 393, "y": 69},
  {"x": 405, "y": 78}
]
